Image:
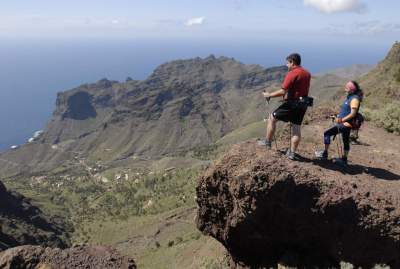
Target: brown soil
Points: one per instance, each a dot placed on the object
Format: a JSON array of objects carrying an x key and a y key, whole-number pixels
[{"x": 265, "y": 208}]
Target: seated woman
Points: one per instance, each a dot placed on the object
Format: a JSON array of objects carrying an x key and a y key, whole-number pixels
[{"x": 347, "y": 113}]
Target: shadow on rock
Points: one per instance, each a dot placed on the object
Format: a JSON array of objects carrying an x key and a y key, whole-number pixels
[{"x": 356, "y": 169}]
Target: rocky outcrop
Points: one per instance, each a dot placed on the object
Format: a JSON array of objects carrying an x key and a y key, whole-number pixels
[
  {"x": 76, "y": 257},
  {"x": 266, "y": 209},
  {"x": 79, "y": 107},
  {"x": 22, "y": 223}
]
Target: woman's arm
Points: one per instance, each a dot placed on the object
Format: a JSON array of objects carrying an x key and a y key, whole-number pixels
[{"x": 354, "y": 104}]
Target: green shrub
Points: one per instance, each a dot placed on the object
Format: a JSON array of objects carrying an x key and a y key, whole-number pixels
[
  {"x": 196, "y": 236},
  {"x": 387, "y": 117},
  {"x": 179, "y": 240},
  {"x": 368, "y": 114},
  {"x": 391, "y": 117}
]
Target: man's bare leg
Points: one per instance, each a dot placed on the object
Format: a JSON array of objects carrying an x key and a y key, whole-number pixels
[
  {"x": 296, "y": 137},
  {"x": 271, "y": 126}
]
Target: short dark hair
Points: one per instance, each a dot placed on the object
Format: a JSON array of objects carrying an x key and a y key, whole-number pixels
[{"x": 294, "y": 58}]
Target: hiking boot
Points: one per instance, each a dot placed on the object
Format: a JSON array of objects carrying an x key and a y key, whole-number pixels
[
  {"x": 265, "y": 143},
  {"x": 340, "y": 161},
  {"x": 291, "y": 155},
  {"x": 321, "y": 154}
]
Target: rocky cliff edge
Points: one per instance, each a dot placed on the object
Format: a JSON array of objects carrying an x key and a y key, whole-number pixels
[{"x": 266, "y": 209}]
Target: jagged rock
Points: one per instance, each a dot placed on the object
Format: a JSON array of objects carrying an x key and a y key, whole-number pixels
[
  {"x": 77, "y": 257},
  {"x": 264, "y": 209},
  {"x": 22, "y": 223},
  {"x": 105, "y": 83}
]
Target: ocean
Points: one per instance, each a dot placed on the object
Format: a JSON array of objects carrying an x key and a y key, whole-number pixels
[{"x": 33, "y": 71}]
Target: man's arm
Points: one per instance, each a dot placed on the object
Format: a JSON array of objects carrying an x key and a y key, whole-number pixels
[
  {"x": 287, "y": 83},
  {"x": 277, "y": 93}
]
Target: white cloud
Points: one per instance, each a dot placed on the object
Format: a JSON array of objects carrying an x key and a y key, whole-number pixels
[
  {"x": 333, "y": 6},
  {"x": 115, "y": 21},
  {"x": 195, "y": 21}
]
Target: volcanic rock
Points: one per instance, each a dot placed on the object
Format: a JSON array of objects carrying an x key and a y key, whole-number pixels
[
  {"x": 266, "y": 209},
  {"x": 77, "y": 257}
]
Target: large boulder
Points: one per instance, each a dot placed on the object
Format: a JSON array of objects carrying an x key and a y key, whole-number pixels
[
  {"x": 266, "y": 209},
  {"x": 77, "y": 257}
]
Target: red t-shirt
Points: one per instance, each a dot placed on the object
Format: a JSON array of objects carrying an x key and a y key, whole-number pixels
[{"x": 297, "y": 82}]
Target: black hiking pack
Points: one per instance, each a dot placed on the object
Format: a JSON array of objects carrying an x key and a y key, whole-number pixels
[{"x": 357, "y": 121}]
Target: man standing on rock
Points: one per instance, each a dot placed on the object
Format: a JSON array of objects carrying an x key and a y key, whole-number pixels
[{"x": 294, "y": 90}]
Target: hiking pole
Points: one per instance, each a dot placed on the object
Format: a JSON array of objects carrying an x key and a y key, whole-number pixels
[
  {"x": 333, "y": 117},
  {"x": 290, "y": 136},
  {"x": 341, "y": 146},
  {"x": 339, "y": 143}
]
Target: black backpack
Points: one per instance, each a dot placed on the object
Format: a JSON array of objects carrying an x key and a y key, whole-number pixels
[{"x": 357, "y": 121}]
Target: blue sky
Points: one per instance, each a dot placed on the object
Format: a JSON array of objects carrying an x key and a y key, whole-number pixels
[
  {"x": 55, "y": 45},
  {"x": 372, "y": 20}
]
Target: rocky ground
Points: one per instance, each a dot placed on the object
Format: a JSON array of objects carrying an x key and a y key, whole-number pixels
[
  {"x": 77, "y": 257},
  {"x": 267, "y": 209}
]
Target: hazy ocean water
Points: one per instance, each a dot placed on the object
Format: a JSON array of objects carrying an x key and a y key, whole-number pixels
[{"x": 32, "y": 72}]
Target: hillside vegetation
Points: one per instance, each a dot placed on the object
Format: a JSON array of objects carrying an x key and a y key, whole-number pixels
[{"x": 382, "y": 91}]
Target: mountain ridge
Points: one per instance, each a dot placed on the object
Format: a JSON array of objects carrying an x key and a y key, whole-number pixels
[{"x": 183, "y": 104}]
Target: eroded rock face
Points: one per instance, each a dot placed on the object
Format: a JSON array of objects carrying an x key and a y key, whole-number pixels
[
  {"x": 76, "y": 257},
  {"x": 80, "y": 107},
  {"x": 264, "y": 209}
]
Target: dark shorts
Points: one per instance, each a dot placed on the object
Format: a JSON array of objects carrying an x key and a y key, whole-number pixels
[{"x": 290, "y": 112}]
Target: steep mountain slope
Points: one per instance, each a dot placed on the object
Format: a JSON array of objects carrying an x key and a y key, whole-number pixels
[
  {"x": 22, "y": 223},
  {"x": 382, "y": 91},
  {"x": 382, "y": 84},
  {"x": 184, "y": 104}
]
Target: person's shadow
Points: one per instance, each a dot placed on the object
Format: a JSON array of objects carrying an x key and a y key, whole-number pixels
[{"x": 353, "y": 169}]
